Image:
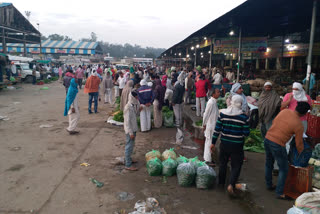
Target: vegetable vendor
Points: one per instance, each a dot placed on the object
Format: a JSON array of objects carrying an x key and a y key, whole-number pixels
[
  {"x": 210, "y": 118},
  {"x": 237, "y": 90},
  {"x": 284, "y": 126}
]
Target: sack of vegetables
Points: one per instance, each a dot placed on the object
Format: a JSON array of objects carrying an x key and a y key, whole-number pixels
[
  {"x": 186, "y": 174},
  {"x": 154, "y": 167},
  {"x": 181, "y": 159},
  {"x": 195, "y": 162},
  {"x": 167, "y": 117},
  {"x": 118, "y": 117},
  {"x": 169, "y": 167},
  {"x": 206, "y": 177},
  {"x": 169, "y": 153},
  {"x": 153, "y": 154}
]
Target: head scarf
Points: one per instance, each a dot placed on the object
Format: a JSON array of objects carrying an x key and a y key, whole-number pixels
[
  {"x": 236, "y": 106},
  {"x": 233, "y": 92},
  {"x": 134, "y": 102},
  {"x": 164, "y": 80},
  {"x": 94, "y": 73},
  {"x": 131, "y": 70},
  {"x": 268, "y": 105},
  {"x": 143, "y": 82},
  {"x": 268, "y": 83},
  {"x": 125, "y": 94},
  {"x": 299, "y": 95},
  {"x": 71, "y": 95},
  {"x": 159, "y": 92}
]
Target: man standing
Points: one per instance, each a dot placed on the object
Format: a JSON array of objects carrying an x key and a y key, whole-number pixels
[
  {"x": 233, "y": 125},
  {"x": 92, "y": 88},
  {"x": 130, "y": 113},
  {"x": 34, "y": 75},
  {"x": 99, "y": 70},
  {"x": 177, "y": 101},
  {"x": 210, "y": 118},
  {"x": 121, "y": 82},
  {"x": 79, "y": 76},
  {"x": 146, "y": 97},
  {"x": 189, "y": 84},
  {"x": 107, "y": 86},
  {"x": 201, "y": 93},
  {"x": 72, "y": 107},
  {"x": 217, "y": 78},
  {"x": 284, "y": 126}
]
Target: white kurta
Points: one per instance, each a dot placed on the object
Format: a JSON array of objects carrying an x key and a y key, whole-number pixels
[
  {"x": 74, "y": 117},
  {"x": 210, "y": 118},
  {"x": 145, "y": 118}
]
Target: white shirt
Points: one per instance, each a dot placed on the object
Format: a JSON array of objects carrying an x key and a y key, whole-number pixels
[
  {"x": 210, "y": 117},
  {"x": 217, "y": 79},
  {"x": 122, "y": 82}
]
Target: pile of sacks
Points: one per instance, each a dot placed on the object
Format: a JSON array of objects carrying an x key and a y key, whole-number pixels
[
  {"x": 189, "y": 171},
  {"x": 257, "y": 85}
]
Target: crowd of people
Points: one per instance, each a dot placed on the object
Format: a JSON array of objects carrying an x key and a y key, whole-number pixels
[{"x": 143, "y": 91}]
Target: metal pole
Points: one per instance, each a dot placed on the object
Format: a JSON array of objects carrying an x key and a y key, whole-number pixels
[
  {"x": 4, "y": 45},
  {"x": 239, "y": 55},
  {"x": 24, "y": 45},
  {"x": 210, "y": 56},
  {"x": 195, "y": 57},
  {"x": 313, "y": 26}
]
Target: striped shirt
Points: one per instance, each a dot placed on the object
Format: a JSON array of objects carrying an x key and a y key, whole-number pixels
[{"x": 233, "y": 129}]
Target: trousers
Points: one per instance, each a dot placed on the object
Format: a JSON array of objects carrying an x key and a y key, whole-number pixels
[
  {"x": 157, "y": 114},
  {"x": 145, "y": 118},
  {"x": 129, "y": 149},
  {"x": 200, "y": 106},
  {"x": 235, "y": 152},
  {"x": 93, "y": 96},
  {"x": 108, "y": 96},
  {"x": 177, "y": 109}
]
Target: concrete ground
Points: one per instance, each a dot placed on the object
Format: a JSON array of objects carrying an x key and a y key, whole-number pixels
[{"x": 40, "y": 168}]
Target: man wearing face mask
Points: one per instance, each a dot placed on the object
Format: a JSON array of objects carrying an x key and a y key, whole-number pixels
[{"x": 291, "y": 100}]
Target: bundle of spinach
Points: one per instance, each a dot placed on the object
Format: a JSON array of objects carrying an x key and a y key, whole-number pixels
[
  {"x": 254, "y": 142},
  {"x": 119, "y": 117}
]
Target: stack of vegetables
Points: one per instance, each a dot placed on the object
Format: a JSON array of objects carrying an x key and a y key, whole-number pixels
[
  {"x": 118, "y": 115},
  {"x": 167, "y": 117},
  {"x": 315, "y": 161},
  {"x": 254, "y": 142},
  {"x": 189, "y": 171},
  {"x": 222, "y": 101}
]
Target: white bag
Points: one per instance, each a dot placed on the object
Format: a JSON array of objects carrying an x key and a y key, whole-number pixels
[
  {"x": 179, "y": 136},
  {"x": 309, "y": 202}
]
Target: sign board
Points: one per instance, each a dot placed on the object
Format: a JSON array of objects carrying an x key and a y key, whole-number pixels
[{"x": 231, "y": 45}]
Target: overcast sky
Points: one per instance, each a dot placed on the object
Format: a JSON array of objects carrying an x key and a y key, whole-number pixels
[{"x": 150, "y": 23}]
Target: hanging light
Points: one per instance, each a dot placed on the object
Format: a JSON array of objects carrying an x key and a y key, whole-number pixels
[
  {"x": 188, "y": 55},
  {"x": 209, "y": 52},
  {"x": 197, "y": 46},
  {"x": 202, "y": 56},
  {"x": 179, "y": 54},
  {"x": 192, "y": 48},
  {"x": 287, "y": 40},
  {"x": 205, "y": 38},
  {"x": 231, "y": 33}
]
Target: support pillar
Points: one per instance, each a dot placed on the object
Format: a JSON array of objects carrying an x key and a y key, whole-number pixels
[
  {"x": 257, "y": 64},
  {"x": 291, "y": 64},
  {"x": 266, "y": 67}
]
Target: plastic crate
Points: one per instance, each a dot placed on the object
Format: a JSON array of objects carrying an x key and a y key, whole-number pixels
[
  {"x": 313, "y": 126},
  {"x": 299, "y": 181}
]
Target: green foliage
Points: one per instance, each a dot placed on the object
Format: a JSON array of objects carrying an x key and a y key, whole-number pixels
[
  {"x": 119, "y": 117},
  {"x": 221, "y": 102},
  {"x": 169, "y": 167},
  {"x": 199, "y": 123},
  {"x": 254, "y": 142},
  {"x": 154, "y": 167}
]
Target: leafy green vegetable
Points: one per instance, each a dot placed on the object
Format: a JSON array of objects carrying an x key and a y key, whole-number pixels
[
  {"x": 118, "y": 100},
  {"x": 254, "y": 142},
  {"x": 199, "y": 123},
  {"x": 119, "y": 117}
]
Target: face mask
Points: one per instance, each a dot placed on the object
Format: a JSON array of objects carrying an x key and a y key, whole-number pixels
[{"x": 295, "y": 92}]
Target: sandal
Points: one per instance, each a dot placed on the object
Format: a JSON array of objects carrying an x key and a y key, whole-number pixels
[
  {"x": 242, "y": 187},
  {"x": 131, "y": 168},
  {"x": 284, "y": 197}
]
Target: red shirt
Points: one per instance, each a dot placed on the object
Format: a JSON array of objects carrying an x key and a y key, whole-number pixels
[
  {"x": 201, "y": 90},
  {"x": 99, "y": 71}
]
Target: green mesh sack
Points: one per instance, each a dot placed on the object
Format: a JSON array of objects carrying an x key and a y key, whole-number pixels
[
  {"x": 153, "y": 154},
  {"x": 169, "y": 153},
  {"x": 186, "y": 174},
  {"x": 154, "y": 167},
  {"x": 206, "y": 177},
  {"x": 195, "y": 162},
  {"x": 181, "y": 159},
  {"x": 169, "y": 167}
]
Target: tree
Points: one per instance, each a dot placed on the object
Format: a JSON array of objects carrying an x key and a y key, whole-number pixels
[
  {"x": 93, "y": 37},
  {"x": 67, "y": 38},
  {"x": 28, "y": 14},
  {"x": 56, "y": 37}
]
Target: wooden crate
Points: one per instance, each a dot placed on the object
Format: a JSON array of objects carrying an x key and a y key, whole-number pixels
[{"x": 299, "y": 181}]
